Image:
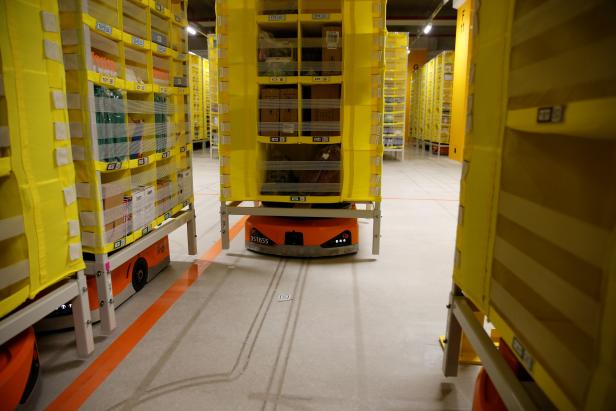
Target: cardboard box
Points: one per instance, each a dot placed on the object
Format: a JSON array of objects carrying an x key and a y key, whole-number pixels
[
  {"x": 184, "y": 184},
  {"x": 288, "y": 112},
  {"x": 110, "y": 203},
  {"x": 332, "y": 50},
  {"x": 323, "y": 153},
  {"x": 269, "y": 115},
  {"x": 325, "y": 92},
  {"x": 149, "y": 209}
]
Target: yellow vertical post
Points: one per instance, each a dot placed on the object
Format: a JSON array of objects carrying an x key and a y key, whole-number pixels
[{"x": 460, "y": 80}]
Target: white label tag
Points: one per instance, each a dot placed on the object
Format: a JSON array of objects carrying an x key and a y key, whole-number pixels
[
  {"x": 50, "y": 22},
  {"x": 63, "y": 157},
  {"x": 59, "y": 99},
  {"x": 52, "y": 51},
  {"x": 73, "y": 228},
  {"x": 70, "y": 195},
  {"x": 74, "y": 251},
  {"x": 60, "y": 131}
]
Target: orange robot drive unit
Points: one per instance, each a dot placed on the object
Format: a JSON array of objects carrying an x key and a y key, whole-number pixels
[{"x": 126, "y": 280}]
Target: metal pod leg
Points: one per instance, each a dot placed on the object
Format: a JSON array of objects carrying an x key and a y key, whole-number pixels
[
  {"x": 376, "y": 229},
  {"x": 81, "y": 318},
  {"x": 191, "y": 232},
  {"x": 461, "y": 318},
  {"x": 105, "y": 294},
  {"x": 224, "y": 226},
  {"x": 453, "y": 337}
]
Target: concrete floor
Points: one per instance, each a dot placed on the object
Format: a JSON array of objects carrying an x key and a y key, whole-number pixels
[{"x": 358, "y": 333}]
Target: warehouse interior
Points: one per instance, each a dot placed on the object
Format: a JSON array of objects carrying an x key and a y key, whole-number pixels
[{"x": 307, "y": 205}]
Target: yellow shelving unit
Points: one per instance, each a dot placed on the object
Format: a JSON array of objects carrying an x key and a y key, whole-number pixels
[
  {"x": 300, "y": 116},
  {"x": 129, "y": 111},
  {"x": 535, "y": 246},
  {"x": 197, "y": 101},
  {"x": 41, "y": 264},
  {"x": 206, "y": 98},
  {"x": 431, "y": 103},
  {"x": 396, "y": 71},
  {"x": 416, "y": 104},
  {"x": 212, "y": 48},
  {"x": 426, "y": 103},
  {"x": 443, "y": 92}
]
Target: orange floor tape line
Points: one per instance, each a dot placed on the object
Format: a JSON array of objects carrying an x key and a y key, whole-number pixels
[{"x": 76, "y": 394}]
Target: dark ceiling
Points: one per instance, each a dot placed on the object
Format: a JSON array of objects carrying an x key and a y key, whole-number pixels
[
  {"x": 203, "y": 10},
  {"x": 402, "y": 15}
]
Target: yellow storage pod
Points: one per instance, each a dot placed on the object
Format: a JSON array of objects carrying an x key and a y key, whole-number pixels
[
  {"x": 443, "y": 91},
  {"x": 396, "y": 70},
  {"x": 212, "y": 52},
  {"x": 300, "y": 100},
  {"x": 196, "y": 98},
  {"x": 416, "y": 105},
  {"x": 39, "y": 229},
  {"x": 127, "y": 82},
  {"x": 536, "y": 245},
  {"x": 206, "y": 98},
  {"x": 464, "y": 44}
]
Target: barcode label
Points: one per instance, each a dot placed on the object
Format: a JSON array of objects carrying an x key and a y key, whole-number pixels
[
  {"x": 108, "y": 80},
  {"x": 105, "y": 28},
  {"x": 277, "y": 17},
  {"x": 138, "y": 42},
  {"x": 320, "y": 16}
]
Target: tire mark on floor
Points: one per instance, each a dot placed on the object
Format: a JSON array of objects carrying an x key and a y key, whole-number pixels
[
  {"x": 290, "y": 323},
  {"x": 241, "y": 363}
]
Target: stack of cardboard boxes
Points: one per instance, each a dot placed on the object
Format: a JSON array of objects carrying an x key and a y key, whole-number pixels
[{"x": 278, "y": 112}]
